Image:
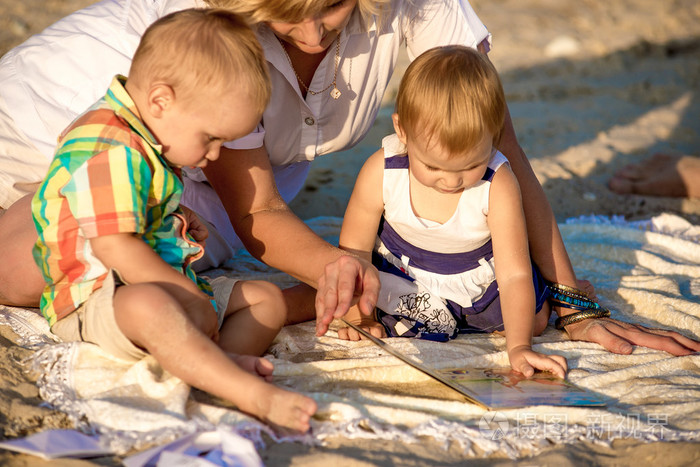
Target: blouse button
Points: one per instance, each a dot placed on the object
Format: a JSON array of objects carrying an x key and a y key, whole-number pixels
[{"x": 309, "y": 121}]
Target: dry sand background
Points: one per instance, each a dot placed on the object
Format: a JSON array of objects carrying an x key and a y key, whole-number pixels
[{"x": 591, "y": 85}]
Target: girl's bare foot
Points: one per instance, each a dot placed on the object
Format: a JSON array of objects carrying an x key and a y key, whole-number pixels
[{"x": 660, "y": 175}]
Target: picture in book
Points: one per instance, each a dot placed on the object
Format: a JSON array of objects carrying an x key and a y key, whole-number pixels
[{"x": 500, "y": 388}]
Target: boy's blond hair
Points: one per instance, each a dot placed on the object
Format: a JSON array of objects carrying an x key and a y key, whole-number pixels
[
  {"x": 452, "y": 94},
  {"x": 294, "y": 11},
  {"x": 199, "y": 50}
]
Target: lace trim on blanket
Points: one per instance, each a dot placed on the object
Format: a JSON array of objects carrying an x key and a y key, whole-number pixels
[{"x": 489, "y": 433}]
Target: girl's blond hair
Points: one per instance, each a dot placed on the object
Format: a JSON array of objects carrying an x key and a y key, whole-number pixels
[
  {"x": 197, "y": 49},
  {"x": 452, "y": 94},
  {"x": 294, "y": 11}
]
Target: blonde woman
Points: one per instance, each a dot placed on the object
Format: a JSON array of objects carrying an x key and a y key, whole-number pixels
[{"x": 330, "y": 62}]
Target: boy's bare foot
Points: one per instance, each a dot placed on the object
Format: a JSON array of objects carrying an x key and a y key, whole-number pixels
[
  {"x": 285, "y": 411},
  {"x": 257, "y": 366},
  {"x": 660, "y": 175}
]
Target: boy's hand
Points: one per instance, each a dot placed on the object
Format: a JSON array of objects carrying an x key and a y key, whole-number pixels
[
  {"x": 195, "y": 226},
  {"x": 525, "y": 360}
]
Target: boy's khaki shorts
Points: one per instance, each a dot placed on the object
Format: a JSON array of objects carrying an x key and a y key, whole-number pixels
[{"x": 94, "y": 321}]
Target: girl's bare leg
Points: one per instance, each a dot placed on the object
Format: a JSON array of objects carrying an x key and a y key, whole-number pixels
[{"x": 542, "y": 319}]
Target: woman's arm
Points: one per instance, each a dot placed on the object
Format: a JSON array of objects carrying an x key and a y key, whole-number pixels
[
  {"x": 245, "y": 184},
  {"x": 546, "y": 244},
  {"x": 549, "y": 253},
  {"x": 270, "y": 231}
]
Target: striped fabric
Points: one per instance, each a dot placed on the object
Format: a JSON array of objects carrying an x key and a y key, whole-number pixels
[{"x": 107, "y": 177}]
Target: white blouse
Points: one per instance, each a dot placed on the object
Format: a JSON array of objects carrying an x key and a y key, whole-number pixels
[
  {"x": 54, "y": 76},
  {"x": 50, "y": 79},
  {"x": 295, "y": 130},
  {"x": 299, "y": 129}
]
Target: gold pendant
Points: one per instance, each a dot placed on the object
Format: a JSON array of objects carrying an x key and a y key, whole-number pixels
[{"x": 335, "y": 93}]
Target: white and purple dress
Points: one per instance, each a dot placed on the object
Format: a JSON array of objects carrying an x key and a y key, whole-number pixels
[{"x": 438, "y": 280}]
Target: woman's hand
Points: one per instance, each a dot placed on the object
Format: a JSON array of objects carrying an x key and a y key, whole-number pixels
[
  {"x": 345, "y": 281},
  {"x": 620, "y": 337}
]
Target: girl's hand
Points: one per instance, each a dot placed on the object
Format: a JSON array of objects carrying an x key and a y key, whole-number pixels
[
  {"x": 525, "y": 360},
  {"x": 366, "y": 323}
]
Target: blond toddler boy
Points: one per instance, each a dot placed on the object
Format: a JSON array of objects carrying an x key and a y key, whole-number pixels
[{"x": 115, "y": 247}]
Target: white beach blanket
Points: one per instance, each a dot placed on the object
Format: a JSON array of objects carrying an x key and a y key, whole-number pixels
[{"x": 646, "y": 272}]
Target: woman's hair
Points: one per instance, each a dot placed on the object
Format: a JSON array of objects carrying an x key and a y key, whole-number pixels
[
  {"x": 453, "y": 94},
  {"x": 197, "y": 49},
  {"x": 294, "y": 11}
]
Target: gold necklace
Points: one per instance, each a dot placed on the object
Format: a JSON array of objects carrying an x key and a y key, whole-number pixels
[{"x": 335, "y": 92}]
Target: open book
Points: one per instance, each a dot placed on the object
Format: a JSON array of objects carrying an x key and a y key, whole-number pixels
[{"x": 500, "y": 388}]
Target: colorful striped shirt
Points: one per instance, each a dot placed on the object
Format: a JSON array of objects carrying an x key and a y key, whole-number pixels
[{"x": 107, "y": 177}]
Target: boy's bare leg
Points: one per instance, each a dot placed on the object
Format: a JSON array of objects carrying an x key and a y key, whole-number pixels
[
  {"x": 21, "y": 282},
  {"x": 256, "y": 313},
  {"x": 153, "y": 320}
]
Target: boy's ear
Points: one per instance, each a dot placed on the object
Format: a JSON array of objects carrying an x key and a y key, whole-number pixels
[
  {"x": 397, "y": 128},
  {"x": 161, "y": 97}
]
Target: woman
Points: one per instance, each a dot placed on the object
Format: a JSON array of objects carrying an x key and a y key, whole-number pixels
[{"x": 330, "y": 62}]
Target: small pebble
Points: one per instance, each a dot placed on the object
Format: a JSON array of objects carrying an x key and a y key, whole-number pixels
[
  {"x": 18, "y": 27},
  {"x": 562, "y": 46}
]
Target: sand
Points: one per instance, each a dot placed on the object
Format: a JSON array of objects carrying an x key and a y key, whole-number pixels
[{"x": 591, "y": 85}]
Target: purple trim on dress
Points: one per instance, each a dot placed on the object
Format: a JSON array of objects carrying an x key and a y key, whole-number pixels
[
  {"x": 478, "y": 306},
  {"x": 488, "y": 175},
  {"x": 441, "y": 263},
  {"x": 396, "y": 162},
  {"x": 486, "y": 314}
]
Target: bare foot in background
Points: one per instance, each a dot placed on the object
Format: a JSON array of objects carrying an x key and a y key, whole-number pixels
[{"x": 660, "y": 175}]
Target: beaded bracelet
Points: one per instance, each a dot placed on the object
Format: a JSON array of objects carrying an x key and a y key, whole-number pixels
[
  {"x": 569, "y": 297},
  {"x": 564, "y": 321}
]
